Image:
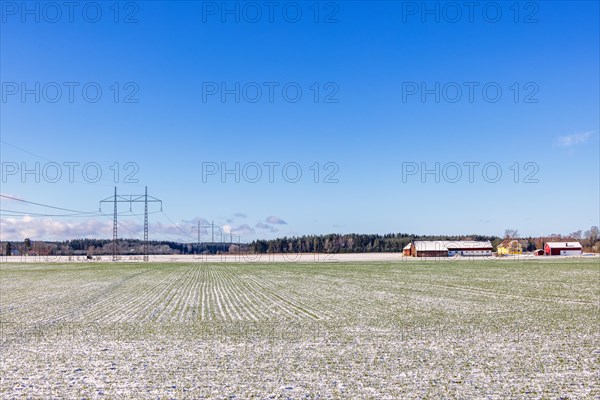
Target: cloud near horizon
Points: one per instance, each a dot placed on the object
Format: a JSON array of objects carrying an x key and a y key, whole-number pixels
[
  {"x": 267, "y": 227},
  {"x": 195, "y": 221},
  {"x": 19, "y": 228},
  {"x": 243, "y": 230}
]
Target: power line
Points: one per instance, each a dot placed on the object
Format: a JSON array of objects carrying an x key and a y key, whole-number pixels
[
  {"x": 97, "y": 215},
  {"x": 46, "y": 205},
  {"x": 162, "y": 234},
  {"x": 25, "y": 213},
  {"x": 177, "y": 226},
  {"x": 25, "y": 151},
  {"x": 124, "y": 226},
  {"x": 102, "y": 179}
]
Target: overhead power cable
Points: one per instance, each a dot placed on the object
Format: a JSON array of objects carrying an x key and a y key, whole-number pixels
[{"x": 47, "y": 206}]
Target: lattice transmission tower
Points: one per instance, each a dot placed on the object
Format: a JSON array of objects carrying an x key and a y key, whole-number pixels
[{"x": 130, "y": 198}]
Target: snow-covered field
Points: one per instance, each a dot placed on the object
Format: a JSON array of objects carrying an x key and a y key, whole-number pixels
[{"x": 364, "y": 329}]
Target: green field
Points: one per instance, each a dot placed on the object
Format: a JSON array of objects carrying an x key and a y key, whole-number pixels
[{"x": 419, "y": 329}]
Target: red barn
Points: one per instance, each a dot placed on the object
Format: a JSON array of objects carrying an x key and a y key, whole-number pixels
[{"x": 563, "y": 249}]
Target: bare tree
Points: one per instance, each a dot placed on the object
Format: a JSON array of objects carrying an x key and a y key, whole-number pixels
[
  {"x": 511, "y": 234},
  {"x": 575, "y": 235},
  {"x": 592, "y": 236}
]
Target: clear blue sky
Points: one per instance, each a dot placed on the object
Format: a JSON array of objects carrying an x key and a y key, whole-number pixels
[{"x": 373, "y": 121}]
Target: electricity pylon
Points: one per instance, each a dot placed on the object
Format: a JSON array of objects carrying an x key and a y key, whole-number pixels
[{"x": 130, "y": 198}]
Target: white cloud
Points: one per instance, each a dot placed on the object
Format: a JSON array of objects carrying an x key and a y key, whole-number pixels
[
  {"x": 243, "y": 230},
  {"x": 18, "y": 228},
  {"x": 264, "y": 226},
  {"x": 51, "y": 229},
  {"x": 574, "y": 139},
  {"x": 169, "y": 229},
  {"x": 275, "y": 220},
  {"x": 195, "y": 221}
]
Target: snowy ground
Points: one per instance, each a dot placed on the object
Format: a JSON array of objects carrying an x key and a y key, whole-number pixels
[{"x": 326, "y": 330}]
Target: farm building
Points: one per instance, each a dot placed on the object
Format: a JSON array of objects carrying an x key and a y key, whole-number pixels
[
  {"x": 448, "y": 248},
  {"x": 429, "y": 249},
  {"x": 406, "y": 249},
  {"x": 470, "y": 248},
  {"x": 563, "y": 248},
  {"x": 510, "y": 247}
]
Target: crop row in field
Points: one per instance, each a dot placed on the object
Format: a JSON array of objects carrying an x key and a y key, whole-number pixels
[{"x": 355, "y": 330}]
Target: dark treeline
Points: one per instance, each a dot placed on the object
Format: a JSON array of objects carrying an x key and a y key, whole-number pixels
[
  {"x": 94, "y": 247},
  {"x": 351, "y": 243}
]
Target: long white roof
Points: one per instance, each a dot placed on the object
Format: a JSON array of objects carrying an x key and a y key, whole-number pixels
[
  {"x": 443, "y": 245},
  {"x": 564, "y": 244}
]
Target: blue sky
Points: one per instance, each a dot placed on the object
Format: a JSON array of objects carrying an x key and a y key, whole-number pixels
[{"x": 386, "y": 87}]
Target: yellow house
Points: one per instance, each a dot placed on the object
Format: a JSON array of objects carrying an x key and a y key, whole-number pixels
[{"x": 510, "y": 247}]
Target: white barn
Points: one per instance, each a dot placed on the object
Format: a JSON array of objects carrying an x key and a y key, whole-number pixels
[{"x": 449, "y": 248}]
